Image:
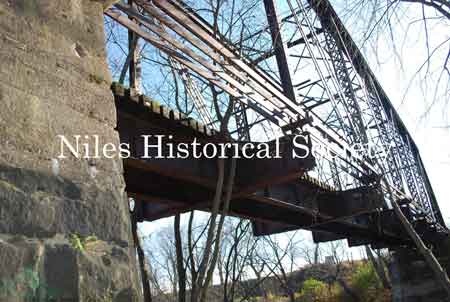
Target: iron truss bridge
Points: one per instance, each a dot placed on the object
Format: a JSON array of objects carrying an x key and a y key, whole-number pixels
[{"x": 322, "y": 87}]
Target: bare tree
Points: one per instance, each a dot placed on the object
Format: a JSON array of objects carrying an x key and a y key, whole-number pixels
[
  {"x": 236, "y": 255},
  {"x": 203, "y": 268},
  {"x": 284, "y": 257},
  {"x": 393, "y": 23},
  {"x": 336, "y": 250},
  {"x": 311, "y": 253}
]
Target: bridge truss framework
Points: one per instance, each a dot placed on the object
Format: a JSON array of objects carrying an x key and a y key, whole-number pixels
[{"x": 336, "y": 98}]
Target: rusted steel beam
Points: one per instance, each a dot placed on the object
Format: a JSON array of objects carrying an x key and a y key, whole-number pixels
[
  {"x": 132, "y": 44},
  {"x": 321, "y": 236},
  {"x": 332, "y": 23},
  {"x": 256, "y": 174},
  {"x": 245, "y": 86},
  {"x": 234, "y": 88},
  {"x": 319, "y": 131},
  {"x": 135, "y": 120},
  {"x": 206, "y": 30},
  {"x": 353, "y": 213},
  {"x": 272, "y": 216},
  {"x": 270, "y": 53},
  {"x": 251, "y": 176},
  {"x": 350, "y": 202},
  {"x": 154, "y": 207},
  {"x": 187, "y": 170},
  {"x": 332, "y": 229},
  {"x": 280, "y": 49},
  {"x": 182, "y": 17},
  {"x": 153, "y": 181}
]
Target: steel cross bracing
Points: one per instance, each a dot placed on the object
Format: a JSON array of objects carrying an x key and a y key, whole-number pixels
[
  {"x": 352, "y": 123},
  {"x": 344, "y": 97},
  {"x": 242, "y": 126},
  {"x": 194, "y": 93},
  {"x": 258, "y": 91},
  {"x": 404, "y": 160},
  {"x": 403, "y": 167}
]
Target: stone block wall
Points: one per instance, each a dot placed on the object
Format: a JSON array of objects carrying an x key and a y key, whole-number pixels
[
  {"x": 64, "y": 223},
  {"x": 413, "y": 280}
]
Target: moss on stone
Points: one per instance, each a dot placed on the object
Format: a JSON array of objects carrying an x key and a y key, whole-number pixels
[
  {"x": 28, "y": 7},
  {"x": 93, "y": 78},
  {"x": 9, "y": 186}
]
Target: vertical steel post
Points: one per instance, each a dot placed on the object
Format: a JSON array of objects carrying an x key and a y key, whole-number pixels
[
  {"x": 279, "y": 49},
  {"x": 131, "y": 49}
]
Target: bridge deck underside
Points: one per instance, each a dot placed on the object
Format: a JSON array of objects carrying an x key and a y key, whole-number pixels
[{"x": 275, "y": 194}]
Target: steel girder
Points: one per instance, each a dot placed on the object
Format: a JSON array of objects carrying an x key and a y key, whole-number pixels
[
  {"x": 357, "y": 99},
  {"x": 404, "y": 161}
]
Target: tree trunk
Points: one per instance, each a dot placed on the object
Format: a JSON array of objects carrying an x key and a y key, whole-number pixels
[
  {"x": 141, "y": 258},
  {"x": 348, "y": 290},
  {"x": 379, "y": 268},
  {"x": 316, "y": 254},
  {"x": 180, "y": 260}
]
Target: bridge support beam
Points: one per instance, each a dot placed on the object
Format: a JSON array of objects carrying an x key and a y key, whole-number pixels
[
  {"x": 413, "y": 280},
  {"x": 54, "y": 80}
]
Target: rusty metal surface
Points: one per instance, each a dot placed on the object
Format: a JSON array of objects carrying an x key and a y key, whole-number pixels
[{"x": 274, "y": 193}]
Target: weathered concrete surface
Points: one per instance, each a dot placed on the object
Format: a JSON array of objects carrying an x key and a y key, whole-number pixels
[
  {"x": 54, "y": 80},
  {"x": 412, "y": 279}
]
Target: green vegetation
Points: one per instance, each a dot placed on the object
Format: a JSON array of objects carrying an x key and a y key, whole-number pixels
[
  {"x": 80, "y": 243},
  {"x": 365, "y": 282},
  {"x": 359, "y": 277},
  {"x": 106, "y": 297},
  {"x": 313, "y": 290},
  {"x": 26, "y": 286}
]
